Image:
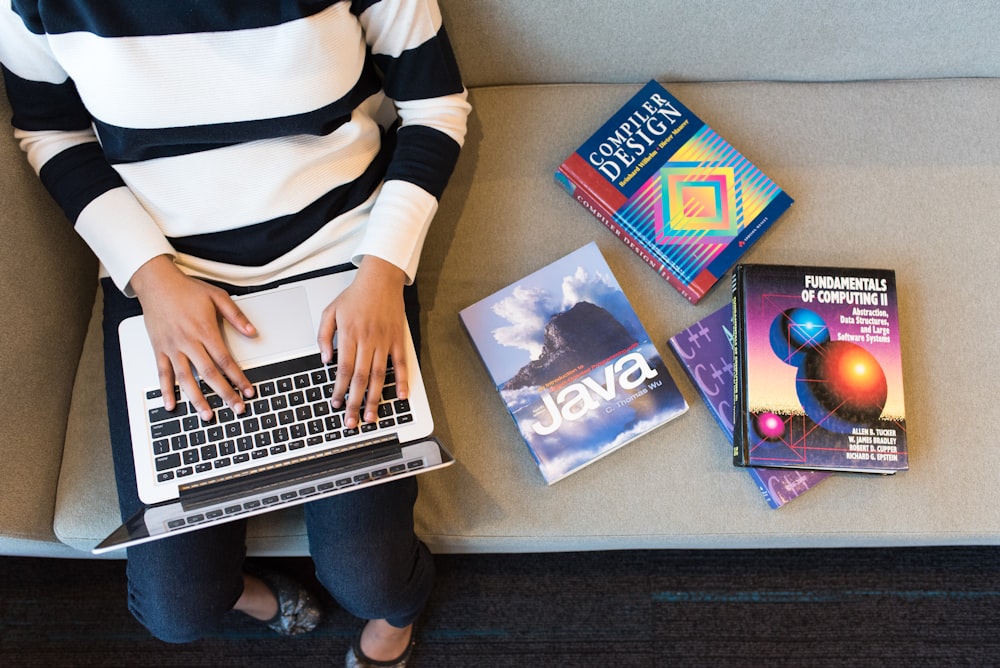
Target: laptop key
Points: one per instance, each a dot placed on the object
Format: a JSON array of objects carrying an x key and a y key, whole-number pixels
[
  {"x": 171, "y": 461},
  {"x": 164, "y": 429},
  {"x": 161, "y": 414}
]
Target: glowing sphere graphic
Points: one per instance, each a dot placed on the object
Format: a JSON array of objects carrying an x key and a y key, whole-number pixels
[
  {"x": 795, "y": 332},
  {"x": 841, "y": 385},
  {"x": 769, "y": 426}
]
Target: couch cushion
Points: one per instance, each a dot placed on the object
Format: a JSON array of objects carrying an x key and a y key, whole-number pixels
[{"x": 898, "y": 174}]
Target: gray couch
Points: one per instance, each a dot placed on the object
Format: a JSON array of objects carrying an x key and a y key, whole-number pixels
[{"x": 878, "y": 118}]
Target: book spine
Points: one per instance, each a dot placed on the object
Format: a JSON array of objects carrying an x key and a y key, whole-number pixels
[
  {"x": 762, "y": 486},
  {"x": 603, "y": 203},
  {"x": 740, "y": 446}
]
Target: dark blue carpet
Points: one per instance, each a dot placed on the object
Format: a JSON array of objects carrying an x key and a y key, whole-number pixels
[{"x": 878, "y": 607}]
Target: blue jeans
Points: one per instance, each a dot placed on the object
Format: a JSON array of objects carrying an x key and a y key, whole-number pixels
[{"x": 362, "y": 543}]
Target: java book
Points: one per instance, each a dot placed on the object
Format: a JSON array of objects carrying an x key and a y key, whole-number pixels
[
  {"x": 673, "y": 190},
  {"x": 819, "y": 379},
  {"x": 705, "y": 351},
  {"x": 572, "y": 362}
]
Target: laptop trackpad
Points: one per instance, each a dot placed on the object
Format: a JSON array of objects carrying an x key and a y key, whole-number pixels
[{"x": 283, "y": 323}]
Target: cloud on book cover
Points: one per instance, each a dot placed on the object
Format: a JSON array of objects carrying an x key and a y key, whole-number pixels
[
  {"x": 562, "y": 461},
  {"x": 529, "y": 309}
]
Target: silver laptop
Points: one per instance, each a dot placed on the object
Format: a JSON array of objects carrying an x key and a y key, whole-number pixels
[{"x": 289, "y": 447}]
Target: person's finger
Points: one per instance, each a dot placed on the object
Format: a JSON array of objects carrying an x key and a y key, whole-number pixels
[
  {"x": 324, "y": 336},
  {"x": 190, "y": 387},
  {"x": 222, "y": 356},
  {"x": 165, "y": 372},
  {"x": 219, "y": 370},
  {"x": 400, "y": 365},
  {"x": 345, "y": 371},
  {"x": 375, "y": 383}
]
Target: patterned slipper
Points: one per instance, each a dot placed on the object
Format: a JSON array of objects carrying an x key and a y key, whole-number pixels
[
  {"x": 357, "y": 659},
  {"x": 298, "y": 610}
]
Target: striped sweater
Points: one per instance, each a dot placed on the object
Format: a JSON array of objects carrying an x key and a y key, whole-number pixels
[{"x": 240, "y": 137}]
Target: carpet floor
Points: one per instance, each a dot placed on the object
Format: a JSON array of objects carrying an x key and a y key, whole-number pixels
[{"x": 846, "y": 607}]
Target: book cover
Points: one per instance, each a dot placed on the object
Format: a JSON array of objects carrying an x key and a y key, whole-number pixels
[
  {"x": 669, "y": 187},
  {"x": 819, "y": 380},
  {"x": 705, "y": 351},
  {"x": 572, "y": 362}
]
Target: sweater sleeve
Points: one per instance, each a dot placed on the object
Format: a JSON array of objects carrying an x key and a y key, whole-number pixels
[
  {"x": 411, "y": 49},
  {"x": 56, "y": 132}
]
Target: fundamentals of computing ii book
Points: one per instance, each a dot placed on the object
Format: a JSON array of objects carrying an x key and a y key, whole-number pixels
[
  {"x": 705, "y": 351},
  {"x": 572, "y": 362},
  {"x": 819, "y": 380},
  {"x": 673, "y": 190}
]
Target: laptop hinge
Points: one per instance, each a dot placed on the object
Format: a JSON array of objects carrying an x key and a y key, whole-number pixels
[{"x": 277, "y": 474}]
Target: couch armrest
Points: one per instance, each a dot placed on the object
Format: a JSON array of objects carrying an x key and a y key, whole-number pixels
[{"x": 48, "y": 276}]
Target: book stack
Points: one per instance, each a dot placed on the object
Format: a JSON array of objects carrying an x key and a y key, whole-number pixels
[
  {"x": 705, "y": 351},
  {"x": 802, "y": 371}
]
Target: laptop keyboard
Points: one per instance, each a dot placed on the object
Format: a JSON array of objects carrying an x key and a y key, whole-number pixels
[{"x": 290, "y": 413}]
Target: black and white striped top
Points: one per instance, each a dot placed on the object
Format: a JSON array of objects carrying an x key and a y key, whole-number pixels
[{"x": 240, "y": 137}]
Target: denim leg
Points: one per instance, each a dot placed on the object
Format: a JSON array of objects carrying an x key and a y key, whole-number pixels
[
  {"x": 179, "y": 587},
  {"x": 367, "y": 555}
]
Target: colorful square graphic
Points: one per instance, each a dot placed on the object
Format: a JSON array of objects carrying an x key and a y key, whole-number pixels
[{"x": 699, "y": 205}]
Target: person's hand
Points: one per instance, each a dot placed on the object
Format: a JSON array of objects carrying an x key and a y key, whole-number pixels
[
  {"x": 182, "y": 316},
  {"x": 369, "y": 319}
]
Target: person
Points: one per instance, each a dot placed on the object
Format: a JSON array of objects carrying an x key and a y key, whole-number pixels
[{"x": 204, "y": 148}]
